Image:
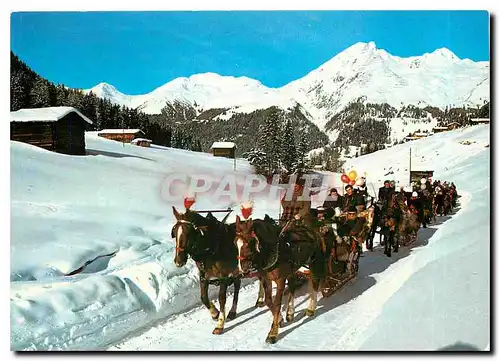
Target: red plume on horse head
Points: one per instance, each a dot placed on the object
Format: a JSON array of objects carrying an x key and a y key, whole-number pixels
[
  {"x": 246, "y": 209},
  {"x": 189, "y": 201}
]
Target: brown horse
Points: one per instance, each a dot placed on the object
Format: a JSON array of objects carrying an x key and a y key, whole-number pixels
[
  {"x": 276, "y": 254},
  {"x": 209, "y": 242}
]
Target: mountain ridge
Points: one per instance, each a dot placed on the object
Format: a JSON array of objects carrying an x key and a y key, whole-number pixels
[{"x": 362, "y": 71}]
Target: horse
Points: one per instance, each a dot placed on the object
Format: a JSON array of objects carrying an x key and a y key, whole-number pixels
[
  {"x": 277, "y": 254},
  {"x": 209, "y": 243}
]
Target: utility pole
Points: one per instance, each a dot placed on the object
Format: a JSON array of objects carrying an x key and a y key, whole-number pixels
[{"x": 410, "y": 167}]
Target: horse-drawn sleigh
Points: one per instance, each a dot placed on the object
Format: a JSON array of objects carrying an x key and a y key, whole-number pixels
[{"x": 226, "y": 253}]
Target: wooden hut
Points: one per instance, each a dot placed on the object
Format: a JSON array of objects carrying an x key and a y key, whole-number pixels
[
  {"x": 453, "y": 125},
  {"x": 223, "y": 149},
  {"x": 141, "y": 142},
  {"x": 59, "y": 129},
  {"x": 480, "y": 120},
  {"x": 439, "y": 129},
  {"x": 120, "y": 135}
]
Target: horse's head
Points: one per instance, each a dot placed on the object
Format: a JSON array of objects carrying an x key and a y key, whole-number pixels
[
  {"x": 247, "y": 244},
  {"x": 182, "y": 231}
]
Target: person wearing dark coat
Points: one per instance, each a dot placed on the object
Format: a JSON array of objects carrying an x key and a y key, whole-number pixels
[
  {"x": 385, "y": 193},
  {"x": 352, "y": 199},
  {"x": 333, "y": 200},
  {"x": 417, "y": 203}
]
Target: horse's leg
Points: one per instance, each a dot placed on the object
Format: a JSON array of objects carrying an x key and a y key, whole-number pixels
[
  {"x": 313, "y": 295},
  {"x": 292, "y": 286},
  {"x": 276, "y": 310},
  {"x": 222, "y": 304},
  {"x": 204, "y": 298},
  {"x": 232, "y": 313},
  {"x": 260, "y": 297},
  {"x": 268, "y": 293}
]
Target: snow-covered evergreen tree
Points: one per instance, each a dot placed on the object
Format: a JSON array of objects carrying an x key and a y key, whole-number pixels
[
  {"x": 288, "y": 147},
  {"x": 40, "y": 94}
]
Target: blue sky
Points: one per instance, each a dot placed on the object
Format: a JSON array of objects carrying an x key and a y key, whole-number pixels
[{"x": 139, "y": 51}]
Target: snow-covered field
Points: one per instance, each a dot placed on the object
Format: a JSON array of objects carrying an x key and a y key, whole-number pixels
[{"x": 68, "y": 210}]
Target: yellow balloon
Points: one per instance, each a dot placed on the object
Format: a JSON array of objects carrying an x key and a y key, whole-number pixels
[{"x": 352, "y": 175}]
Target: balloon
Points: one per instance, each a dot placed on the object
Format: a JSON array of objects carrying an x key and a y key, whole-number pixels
[
  {"x": 353, "y": 175},
  {"x": 345, "y": 179},
  {"x": 423, "y": 181},
  {"x": 422, "y": 186},
  {"x": 353, "y": 182}
]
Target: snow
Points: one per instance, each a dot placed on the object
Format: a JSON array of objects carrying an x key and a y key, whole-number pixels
[
  {"x": 109, "y": 206},
  {"x": 120, "y": 131},
  {"x": 136, "y": 140},
  {"x": 67, "y": 210},
  {"x": 228, "y": 145},
  {"x": 49, "y": 114}
]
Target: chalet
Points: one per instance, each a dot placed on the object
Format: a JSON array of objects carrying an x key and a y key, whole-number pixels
[
  {"x": 120, "y": 135},
  {"x": 453, "y": 125},
  {"x": 58, "y": 129},
  {"x": 410, "y": 137},
  {"x": 439, "y": 129},
  {"x": 480, "y": 120},
  {"x": 141, "y": 142},
  {"x": 223, "y": 149},
  {"x": 420, "y": 135}
]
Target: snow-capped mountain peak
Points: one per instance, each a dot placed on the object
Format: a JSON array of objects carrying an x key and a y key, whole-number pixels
[{"x": 362, "y": 71}]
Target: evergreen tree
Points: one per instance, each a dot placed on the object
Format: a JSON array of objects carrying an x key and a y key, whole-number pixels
[
  {"x": 19, "y": 97},
  {"x": 288, "y": 149},
  {"x": 39, "y": 94}
]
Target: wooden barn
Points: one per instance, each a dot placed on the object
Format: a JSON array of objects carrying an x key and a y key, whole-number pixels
[
  {"x": 439, "y": 129},
  {"x": 480, "y": 120},
  {"x": 453, "y": 125},
  {"x": 141, "y": 142},
  {"x": 120, "y": 135},
  {"x": 223, "y": 149},
  {"x": 58, "y": 129}
]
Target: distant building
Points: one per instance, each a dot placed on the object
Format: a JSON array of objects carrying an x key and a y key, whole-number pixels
[
  {"x": 141, "y": 142},
  {"x": 420, "y": 135},
  {"x": 480, "y": 120},
  {"x": 120, "y": 135},
  {"x": 439, "y": 129},
  {"x": 453, "y": 125},
  {"x": 58, "y": 129},
  {"x": 223, "y": 149}
]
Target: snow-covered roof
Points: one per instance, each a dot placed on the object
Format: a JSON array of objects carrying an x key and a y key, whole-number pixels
[
  {"x": 136, "y": 140},
  {"x": 440, "y": 128},
  {"x": 120, "y": 131},
  {"x": 480, "y": 120},
  {"x": 227, "y": 145},
  {"x": 420, "y": 134},
  {"x": 49, "y": 114}
]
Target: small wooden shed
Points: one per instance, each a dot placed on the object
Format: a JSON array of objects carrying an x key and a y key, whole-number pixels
[
  {"x": 120, "y": 135},
  {"x": 223, "y": 149},
  {"x": 480, "y": 120},
  {"x": 453, "y": 125},
  {"x": 439, "y": 129},
  {"x": 59, "y": 129},
  {"x": 141, "y": 142}
]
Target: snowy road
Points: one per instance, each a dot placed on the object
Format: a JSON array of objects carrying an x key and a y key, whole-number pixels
[{"x": 341, "y": 322}]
